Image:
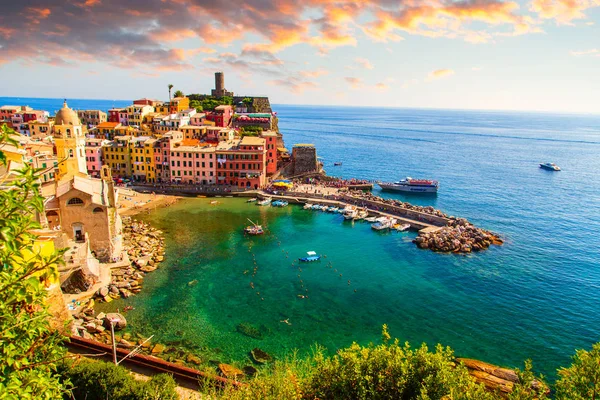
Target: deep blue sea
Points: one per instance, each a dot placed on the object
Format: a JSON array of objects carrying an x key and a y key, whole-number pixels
[{"x": 537, "y": 297}]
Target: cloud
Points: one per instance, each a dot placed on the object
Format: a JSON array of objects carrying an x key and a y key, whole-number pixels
[
  {"x": 563, "y": 11},
  {"x": 314, "y": 74},
  {"x": 439, "y": 74},
  {"x": 381, "y": 86},
  {"x": 147, "y": 33},
  {"x": 295, "y": 85},
  {"x": 586, "y": 52},
  {"x": 355, "y": 83},
  {"x": 363, "y": 62}
]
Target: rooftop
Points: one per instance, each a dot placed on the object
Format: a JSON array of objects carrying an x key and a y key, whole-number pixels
[
  {"x": 108, "y": 125},
  {"x": 252, "y": 141}
]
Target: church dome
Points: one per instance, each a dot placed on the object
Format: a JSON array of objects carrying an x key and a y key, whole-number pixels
[{"x": 66, "y": 116}]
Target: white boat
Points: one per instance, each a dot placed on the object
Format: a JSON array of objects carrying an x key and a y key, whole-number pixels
[
  {"x": 371, "y": 219},
  {"x": 308, "y": 206},
  {"x": 264, "y": 202},
  {"x": 252, "y": 200},
  {"x": 383, "y": 224},
  {"x": 402, "y": 227},
  {"x": 410, "y": 185},
  {"x": 350, "y": 212},
  {"x": 550, "y": 166},
  {"x": 362, "y": 214}
]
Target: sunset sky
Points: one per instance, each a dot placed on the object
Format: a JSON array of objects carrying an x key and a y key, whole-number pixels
[{"x": 488, "y": 54}]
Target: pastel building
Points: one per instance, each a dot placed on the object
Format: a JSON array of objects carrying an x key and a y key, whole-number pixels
[
  {"x": 193, "y": 162},
  {"x": 105, "y": 130},
  {"x": 193, "y": 132},
  {"x": 40, "y": 130},
  {"x": 242, "y": 162},
  {"x": 116, "y": 154},
  {"x": 162, "y": 154},
  {"x": 91, "y": 118},
  {"x": 198, "y": 119},
  {"x": 70, "y": 143},
  {"x": 136, "y": 113},
  {"x": 113, "y": 114},
  {"x": 271, "y": 147},
  {"x": 142, "y": 158},
  {"x": 93, "y": 156},
  {"x": 6, "y": 112},
  {"x": 171, "y": 122},
  {"x": 221, "y": 116}
]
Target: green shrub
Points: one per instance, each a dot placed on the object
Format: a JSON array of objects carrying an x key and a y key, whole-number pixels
[
  {"x": 582, "y": 379},
  {"x": 99, "y": 380}
]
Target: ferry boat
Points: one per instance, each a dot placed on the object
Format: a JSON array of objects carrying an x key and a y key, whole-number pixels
[
  {"x": 350, "y": 212},
  {"x": 550, "y": 166},
  {"x": 411, "y": 185},
  {"x": 264, "y": 202}
]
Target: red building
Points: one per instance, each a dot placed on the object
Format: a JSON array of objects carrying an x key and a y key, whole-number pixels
[
  {"x": 242, "y": 163},
  {"x": 221, "y": 116},
  {"x": 35, "y": 115},
  {"x": 113, "y": 114},
  {"x": 271, "y": 147}
]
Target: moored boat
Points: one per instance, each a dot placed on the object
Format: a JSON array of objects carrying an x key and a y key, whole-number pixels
[
  {"x": 402, "y": 227},
  {"x": 383, "y": 223},
  {"x": 550, "y": 166},
  {"x": 265, "y": 202},
  {"x": 279, "y": 203},
  {"x": 410, "y": 185},
  {"x": 308, "y": 206},
  {"x": 310, "y": 257},
  {"x": 350, "y": 212},
  {"x": 254, "y": 229},
  {"x": 362, "y": 214},
  {"x": 252, "y": 200}
]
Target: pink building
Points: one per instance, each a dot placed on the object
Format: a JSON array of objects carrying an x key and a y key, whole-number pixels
[
  {"x": 162, "y": 154},
  {"x": 93, "y": 156},
  {"x": 271, "y": 143},
  {"x": 193, "y": 162},
  {"x": 123, "y": 117},
  {"x": 242, "y": 163}
]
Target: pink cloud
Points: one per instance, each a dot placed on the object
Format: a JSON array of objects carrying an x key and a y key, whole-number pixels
[{"x": 440, "y": 73}]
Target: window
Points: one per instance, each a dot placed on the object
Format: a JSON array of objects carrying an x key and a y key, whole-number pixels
[
  {"x": 75, "y": 201},
  {"x": 98, "y": 210}
]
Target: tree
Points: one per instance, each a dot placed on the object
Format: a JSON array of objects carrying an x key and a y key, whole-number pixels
[
  {"x": 197, "y": 105},
  {"x": 227, "y": 100},
  {"x": 179, "y": 93},
  {"x": 29, "y": 349},
  {"x": 582, "y": 379},
  {"x": 170, "y": 88}
]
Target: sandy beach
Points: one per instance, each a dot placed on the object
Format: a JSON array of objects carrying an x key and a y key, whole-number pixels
[{"x": 132, "y": 202}]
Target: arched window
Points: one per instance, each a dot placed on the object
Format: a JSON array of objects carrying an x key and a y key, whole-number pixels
[
  {"x": 75, "y": 201},
  {"x": 98, "y": 210}
]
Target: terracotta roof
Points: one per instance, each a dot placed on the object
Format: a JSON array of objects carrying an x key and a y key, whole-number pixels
[{"x": 107, "y": 125}]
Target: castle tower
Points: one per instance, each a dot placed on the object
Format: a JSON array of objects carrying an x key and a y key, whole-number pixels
[
  {"x": 219, "y": 82},
  {"x": 70, "y": 143}
]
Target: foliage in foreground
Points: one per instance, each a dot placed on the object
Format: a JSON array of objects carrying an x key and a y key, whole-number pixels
[
  {"x": 582, "y": 379},
  {"x": 99, "y": 380},
  {"x": 28, "y": 348}
]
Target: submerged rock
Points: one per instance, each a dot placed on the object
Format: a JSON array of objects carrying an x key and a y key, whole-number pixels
[
  {"x": 249, "y": 330},
  {"x": 260, "y": 356},
  {"x": 229, "y": 371}
]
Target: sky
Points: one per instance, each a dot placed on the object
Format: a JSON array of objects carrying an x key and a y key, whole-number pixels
[{"x": 461, "y": 54}]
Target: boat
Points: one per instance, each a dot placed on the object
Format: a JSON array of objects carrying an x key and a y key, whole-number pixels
[
  {"x": 371, "y": 219},
  {"x": 317, "y": 207},
  {"x": 337, "y": 164},
  {"x": 252, "y": 200},
  {"x": 308, "y": 206},
  {"x": 254, "y": 229},
  {"x": 402, "y": 227},
  {"x": 362, "y": 214},
  {"x": 311, "y": 256},
  {"x": 410, "y": 185},
  {"x": 550, "y": 166},
  {"x": 279, "y": 203},
  {"x": 350, "y": 212},
  {"x": 383, "y": 224},
  {"x": 264, "y": 202},
  {"x": 333, "y": 209}
]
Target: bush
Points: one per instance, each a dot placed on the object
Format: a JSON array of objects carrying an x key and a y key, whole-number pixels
[{"x": 99, "y": 380}]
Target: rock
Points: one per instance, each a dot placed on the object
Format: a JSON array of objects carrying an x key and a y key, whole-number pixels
[
  {"x": 126, "y": 344},
  {"x": 249, "y": 330},
  {"x": 158, "y": 348},
  {"x": 117, "y": 319},
  {"x": 102, "y": 292},
  {"x": 229, "y": 371},
  {"x": 260, "y": 356},
  {"x": 250, "y": 370},
  {"x": 114, "y": 289},
  {"x": 79, "y": 281},
  {"x": 101, "y": 316},
  {"x": 90, "y": 327},
  {"x": 192, "y": 359},
  {"x": 148, "y": 269},
  {"x": 100, "y": 329}
]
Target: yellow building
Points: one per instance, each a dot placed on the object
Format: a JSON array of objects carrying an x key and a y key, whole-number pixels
[
  {"x": 69, "y": 139},
  {"x": 117, "y": 156},
  {"x": 137, "y": 112},
  {"x": 179, "y": 104},
  {"x": 193, "y": 132},
  {"x": 142, "y": 159},
  {"x": 40, "y": 130}
]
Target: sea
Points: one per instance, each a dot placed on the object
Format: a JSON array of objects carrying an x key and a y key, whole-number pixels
[{"x": 221, "y": 294}]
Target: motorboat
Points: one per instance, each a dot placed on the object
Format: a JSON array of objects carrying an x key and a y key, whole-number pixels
[
  {"x": 254, "y": 229},
  {"x": 333, "y": 209},
  {"x": 350, "y": 212},
  {"x": 383, "y": 224},
  {"x": 371, "y": 219},
  {"x": 265, "y": 202},
  {"x": 410, "y": 185},
  {"x": 337, "y": 164},
  {"x": 310, "y": 257},
  {"x": 316, "y": 207},
  {"x": 362, "y": 214},
  {"x": 402, "y": 227},
  {"x": 550, "y": 166},
  {"x": 279, "y": 203},
  {"x": 252, "y": 200},
  {"x": 308, "y": 206}
]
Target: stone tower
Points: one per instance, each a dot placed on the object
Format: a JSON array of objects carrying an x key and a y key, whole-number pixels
[
  {"x": 219, "y": 90},
  {"x": 69, "y": 139}
]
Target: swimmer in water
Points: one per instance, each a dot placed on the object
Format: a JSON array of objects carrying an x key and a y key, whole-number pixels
[{"x": 286, "y": 321}]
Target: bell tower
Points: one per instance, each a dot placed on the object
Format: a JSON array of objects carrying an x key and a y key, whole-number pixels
[{"x": 69, "y": 139}]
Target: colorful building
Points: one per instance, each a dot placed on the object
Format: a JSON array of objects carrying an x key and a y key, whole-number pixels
[
  {"x": 40, "y": 130},
  {"x": 91, "y": 118},
  {"x": 221, "y": 116},
  {"x": 70, "y": 143},
  {"x": 117, "y": 156},
  {"x": 113, "y": 114},
  {"x": 178, "y": 104},
  {"x": 6, "y": 113},
  {"x": 242, "y": 162},
  {"x": 162, "y": 154},
  {"x": 136, "y": 113},
  {"x": 105, "y": 130},
  {"x": 193, "y": 162},
  {"x": 193, "y": 132},
  {"x": 142, "y": 159},
  {"x": 93, "y": 155},
  {"x": 271, "y": 144}
]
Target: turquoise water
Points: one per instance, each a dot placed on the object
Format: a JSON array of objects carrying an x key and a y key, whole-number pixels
[{"x": 537, "y": 297}]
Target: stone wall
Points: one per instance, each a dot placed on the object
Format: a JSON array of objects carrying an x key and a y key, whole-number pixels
[{"x": 305, "y": 159}]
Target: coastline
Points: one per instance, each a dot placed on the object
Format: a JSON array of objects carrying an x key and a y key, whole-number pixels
[{"x": 132, "y": 202}]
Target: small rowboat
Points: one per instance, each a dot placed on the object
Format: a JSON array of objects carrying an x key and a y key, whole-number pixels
[{"x": 311, "y": 256}]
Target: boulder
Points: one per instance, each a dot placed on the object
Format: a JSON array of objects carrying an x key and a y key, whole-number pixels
[
  {"x": 117, "y": 319},
  {"x": 158, "y": 348},
  {"x": 229, "y": 371}
]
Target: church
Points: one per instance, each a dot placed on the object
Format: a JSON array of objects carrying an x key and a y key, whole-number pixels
[{"x": 81, "y": 207}]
